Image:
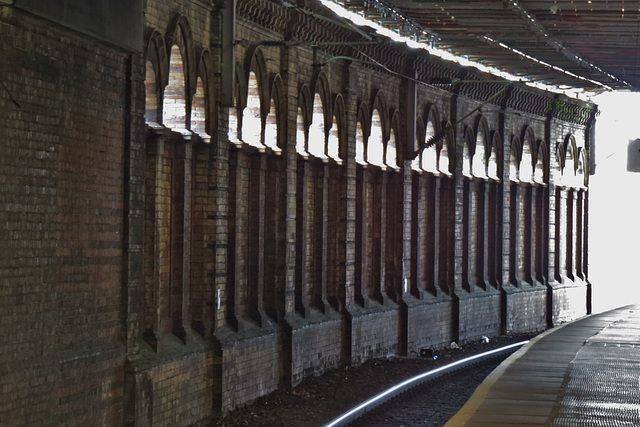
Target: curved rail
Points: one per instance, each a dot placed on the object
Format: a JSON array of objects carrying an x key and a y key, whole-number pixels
[{"x": 383, "y": 397}]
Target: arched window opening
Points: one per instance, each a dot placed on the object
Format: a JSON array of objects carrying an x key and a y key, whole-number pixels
[
  {"x": 391, "y": 157},
  {"x": 513, "y": 167},
  {"x": 316, "y": 130},
  {"x": 359, "y": 144},
  {"x": 175, "y": 105},
  {"x": 415, "y": 163},
  {"x": 538, "y": 171},
  {"x": 466, "y": 160},
  {"x": 443, "y": 159},
  {"x": 333, "y": 145},
  {"x": 569, "y": 172},
  {"x": 492, "y": 165},
  {"x": 301, "y": 142},
  {"x": 479, "y": 168},
  {"x": 429, "y": 155},
  {"x": 251, "y": 118},
  {"x": 526, "y": 164},
  {"x": 151, "y": 95},
  {"x": 198, "y": 115},
  {"x": 271, "y": 129},
  {"x": 375, "y": 144},
  {"x": 232, "y": 133},
  {"x": 580, "y": 172}
]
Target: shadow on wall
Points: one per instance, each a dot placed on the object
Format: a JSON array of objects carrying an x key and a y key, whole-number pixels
[{"x": 614, "y": 241}]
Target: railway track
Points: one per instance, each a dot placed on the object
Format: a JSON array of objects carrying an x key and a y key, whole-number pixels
[{"x": 421, "y": 393}]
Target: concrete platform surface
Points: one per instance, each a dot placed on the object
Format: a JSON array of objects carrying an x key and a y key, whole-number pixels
[{"x": 583, "y": 373}]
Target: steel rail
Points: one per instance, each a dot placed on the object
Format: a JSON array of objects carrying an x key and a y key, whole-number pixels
[{"x": 356, "y": 412}]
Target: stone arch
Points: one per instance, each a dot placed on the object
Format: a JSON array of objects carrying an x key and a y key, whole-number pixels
[
  {"x": 447, "y": 149},
  {"x": 527, "y": 154},
  {"x": 433, "y": 115},
  {"x": 418, "y": 143},
  {"x": 429, "y": 159},
  {"x": 395, "y": 136},
  {"x": 582, "y": 168},
  {"x": 339, "y": 121},
  {"x": 468, "y": 150},
  {"x": 256, "y": 99},
  {"x": 363, "y": 126},
  {"x": 156, "y": 67},
  {"x": 495, "y": 157},
  {"x": 481, "y": 153},
  {"x": 320, "y": 117},
  {"x": 514, "y": 158},
  {"x": 239, "y": 95},
  {"x": 303, "y": 120},
  {"x": 379, "y": 102},
  {"x": 276, "y": 119},
  {"x": 201, "y": 99},
  {"x": 181, "y": 76},
  {"x": 541, "y": 170}
]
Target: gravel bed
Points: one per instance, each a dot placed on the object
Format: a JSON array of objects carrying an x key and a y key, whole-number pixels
[{"x": 319, "y": 400}]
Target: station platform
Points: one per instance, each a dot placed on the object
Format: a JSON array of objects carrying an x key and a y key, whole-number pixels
[{"x": 582, "y": 373}]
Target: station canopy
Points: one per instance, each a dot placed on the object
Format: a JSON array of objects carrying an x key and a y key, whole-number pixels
[{"x": 589, "y": 45}]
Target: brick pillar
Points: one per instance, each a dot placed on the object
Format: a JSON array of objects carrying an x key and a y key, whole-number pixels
[
  {"x": 407, "y": 227},
  {"x": 561, "y": 234},
  {"x": 571, "y": 234},
  {"x": 579, "y": 233},
  {"x": 534, "y": 233},
  {"x": 420, "y": 227},
  {"x": 476, "y": 219},
  {"x": 521, "y": 234},
  {"x": 458, "y": 226},
  {"x": 436, "y": 200},
  {"x": 484, "y": 234}
]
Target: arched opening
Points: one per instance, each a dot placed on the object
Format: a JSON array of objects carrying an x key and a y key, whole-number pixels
[
  {"x": 175, "y": 106},
  {"x": 151, "y": 95},
  {"x": 492, "y": 164},
  {"x": 375, "y": 144},
  {"x": 526, "y": 164},
  {"x": 479, "y": 168},
  {"x": 513, "y": 166},
  {"x": 333, "y": 144},
  {"x": 251, "y": 117},
  {"x": 391, "y": 156},
  {"x": 443, "y": 159},
  {"x": 198, "y": 111},
  {"x": 316, "y": 130},
  {"x": 271, "y": 129},
  {"x": 466, "y": 159},
  {"x": 359, "y": 144},
  {"x": 429, "y": 155},
  {"x": 301, "y": 142}
]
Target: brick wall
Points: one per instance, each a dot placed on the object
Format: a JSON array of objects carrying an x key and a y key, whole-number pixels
[
  {"x": 374, "y": 334},
  {"x": 479, "y": 315},
  {"x": 60, "y": 263},
  {"x": 429, "y": 324},
  {"x": 160, "y": 275},
  {"x": 526, "y": 309},
  {"x": 316, "y": 348}
]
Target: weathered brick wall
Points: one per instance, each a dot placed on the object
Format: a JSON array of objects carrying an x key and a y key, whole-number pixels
[
  {"x": 60, "y": 264},
  {"x": 247, "y": 269},
  {"x": 250, "y": 368},
  {"x": 374, "y": 334},
  {"x": 316, "y": 348},
  {"x": 526, "y": 310},
  {"x": 430, "y": 325},
  {"x": 478, "y": 316},
  {"x": 568, "y": 302},
  {"x": 175, "y": 392}
]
